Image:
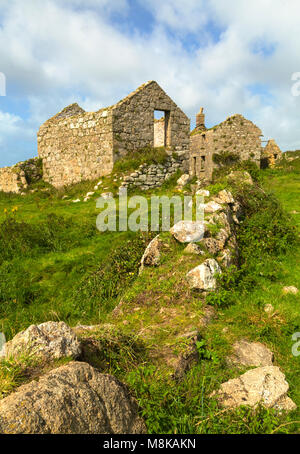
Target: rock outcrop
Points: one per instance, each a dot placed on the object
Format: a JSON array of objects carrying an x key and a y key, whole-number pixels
[
  {"x": 50, "y": 340},
  {"x": 151, "y": 255},
  {"x": 73, "y": 399},
  {"x": 264, "y": 385}
]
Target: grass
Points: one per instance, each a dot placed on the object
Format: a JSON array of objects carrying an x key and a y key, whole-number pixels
[
  {"x": 134, "y": 159},
  {"x": 55, "y": 265}
]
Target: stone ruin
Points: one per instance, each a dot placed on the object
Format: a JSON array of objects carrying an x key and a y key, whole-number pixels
[
  {"x": 17, "y": 178},
  {"x": 271, "y": 154},
  {"x": 234, "y": 139},
  {"x": 75, "y": 145}
]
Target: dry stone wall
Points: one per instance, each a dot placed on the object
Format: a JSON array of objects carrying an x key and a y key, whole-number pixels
[
  {"x": 235, "y": 135},
  {"x": 153, "y": 176}
]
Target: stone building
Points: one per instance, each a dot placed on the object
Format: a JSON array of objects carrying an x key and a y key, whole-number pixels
[
  {"x": 18, "y": 177},
  {"x": 76, "y": 145},
  {"x": 270, "y": 155},
  {"x": 234, "y": 139}
]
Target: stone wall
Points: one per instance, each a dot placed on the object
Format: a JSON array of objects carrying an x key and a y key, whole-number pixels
[
  {"x": 236, "y": 135},
  {"x": 154, "y": 175},
  {"x": 159, "y": 133},
  {"x": 18, "y": 177},
  {"x": 12, "y": 179},
  {"x": 76, "y": 145},
  {"x": 271, "y": 154},
  {"x": 133, "y": 120}
]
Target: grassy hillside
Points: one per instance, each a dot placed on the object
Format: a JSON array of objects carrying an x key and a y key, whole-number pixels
[{"x": 55, "y": 265}]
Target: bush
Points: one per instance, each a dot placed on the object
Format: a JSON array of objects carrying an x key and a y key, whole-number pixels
[{"x": 266, "y": 228}]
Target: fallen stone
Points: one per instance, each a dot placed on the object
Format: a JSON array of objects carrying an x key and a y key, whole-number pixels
[
  {"x": 224, "y": 197},
  {"x": 249, "y": 354},
  {"x": 193, "y": 248},
  {"x": 203, "y": 277},
  {"x": 212, "y": 245},
  {"x": 50, "y": 340},
  {"x": 183, "y": 180},
  {"x": 240, "y": 177},
  {"x": 187, "y": 359},
  {"x": 107, "y": 195},
  {"x": 203, "y": 193},
  {"x": 292, "y": 290},
  {"x": 73, "y": 399},
  {"x": 269, "y": 309},
  {"x": 151, "y": 255},
  {"x": 227, "y": 258},
  {"x": 263, "y": 385},
  {"x": 212, "y": 207},
  {"x": 188, "y": 231}
]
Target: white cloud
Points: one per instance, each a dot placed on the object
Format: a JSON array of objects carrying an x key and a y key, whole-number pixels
[
  {"x": 16, "y": 137},
  {"x": 55, "y": 52}
]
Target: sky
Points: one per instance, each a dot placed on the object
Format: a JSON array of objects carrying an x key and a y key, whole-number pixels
[{"x": 228, "y": 56}]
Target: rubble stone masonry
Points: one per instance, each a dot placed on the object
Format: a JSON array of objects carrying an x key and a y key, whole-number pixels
[
  {"x": 76, "y": 145},
  {"x": 236, "y": 135}
]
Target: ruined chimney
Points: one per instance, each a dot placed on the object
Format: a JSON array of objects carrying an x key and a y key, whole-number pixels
[{"x": 200, "y": 120}]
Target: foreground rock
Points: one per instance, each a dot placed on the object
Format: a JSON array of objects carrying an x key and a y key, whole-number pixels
[
  {"x": 73, "y": 399},
  {"x": 188, "y": 231},
  {"x": 50, "y": 340},
  {"x": 203, "y": 277},
  {"x": 250, "y": 354},
  {"x": 263, "y": 385},
  {"x": 151, "y": 255}
]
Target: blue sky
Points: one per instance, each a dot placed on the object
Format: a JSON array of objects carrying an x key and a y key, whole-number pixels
[{"x": 227, "y": 56}]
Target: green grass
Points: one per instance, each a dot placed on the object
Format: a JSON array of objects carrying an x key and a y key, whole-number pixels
[
  {"x": 55, "y": 265},
  {"x": 132, "y": 160}
]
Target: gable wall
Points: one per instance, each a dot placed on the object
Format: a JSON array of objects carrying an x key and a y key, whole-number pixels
[
  {"x": 133, "y": 121},
  {"x": 236, "y": 135},
  {"x": 76, "y": 148}
]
